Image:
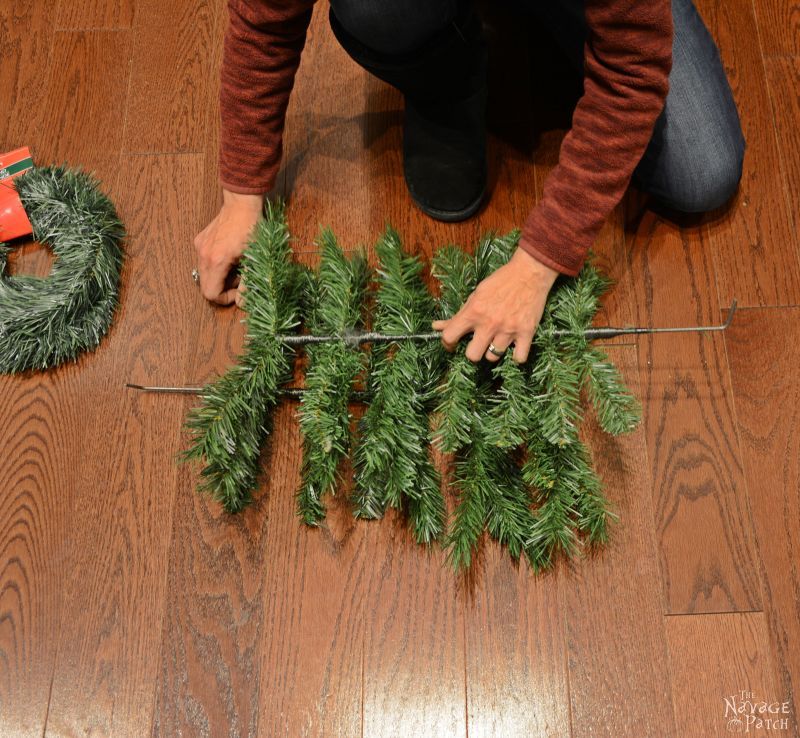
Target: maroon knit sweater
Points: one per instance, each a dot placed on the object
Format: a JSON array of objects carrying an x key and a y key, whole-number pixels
[{"x": 627, "y": 61}]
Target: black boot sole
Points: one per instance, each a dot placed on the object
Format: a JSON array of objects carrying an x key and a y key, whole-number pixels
[{"x": 449, "y": 216}]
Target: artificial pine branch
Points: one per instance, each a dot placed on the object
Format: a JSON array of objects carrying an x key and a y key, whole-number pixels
[
  {"x": 392, "y": 457},
  {"x": 334, "y": 306},
  {"x": 456, "y": 272},
  {"x": 229, "y": 427},
  {"x": 558, "y": 464},
  {"x": 512, "y": 407},
  {"x": 617, "y": 409},
  {"x": 480, "y": 426}
]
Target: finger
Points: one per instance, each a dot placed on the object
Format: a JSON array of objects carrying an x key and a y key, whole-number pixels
[
  {"x": 459, "y": 325},
  {"x": 522, "y": 346},
  {"x": 501, "y": 343},
  {"x": 212, "y": 280},
  {"x": 240, "y": 295},
  {"x": 227, "y": 297},
  {"x": 438, "y": 325},
  {"x": 476, "y": 348}
]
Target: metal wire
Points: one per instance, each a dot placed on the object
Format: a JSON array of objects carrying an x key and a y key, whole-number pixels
[{"x": 355, "y": 339}]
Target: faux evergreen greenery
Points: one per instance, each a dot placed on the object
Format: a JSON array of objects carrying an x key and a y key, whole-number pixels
[
  {"x": 231, "y": 424},
  {"x": 392, "y": 461},
  {"x": 335, "y": 297},
  {"x": 45, "y": 321},
  {"x": 510, "y": 432}
]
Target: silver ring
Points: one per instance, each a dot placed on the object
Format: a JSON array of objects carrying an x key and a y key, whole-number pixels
[
  {"x": 493, "y": 349},
  {"x": 196, "y": 276}
]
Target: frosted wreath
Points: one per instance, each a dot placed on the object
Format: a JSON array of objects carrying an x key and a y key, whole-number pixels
[{"x": 45, "y": 321}]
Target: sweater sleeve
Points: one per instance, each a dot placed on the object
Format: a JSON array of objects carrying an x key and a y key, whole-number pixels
[
  {"x": 627, "y": 61},
  {"x": 261, "y": 53}
]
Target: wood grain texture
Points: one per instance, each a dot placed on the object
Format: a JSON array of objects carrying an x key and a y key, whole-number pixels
[
  {"x": 311, "y": 650},
  {"x": 91, "y": 14},
  {"x": 344, "y": 169},
  {"x": 42, "y": 447},
  {"x": 764, "y": 350},
  {"x": 115, "y": 575},
  {"x": 39, "y": 414},
  {"x": 702, "y": 519},
  {"x": 754, "y": 242},
  {"x": 717, "y": 661},
  {"x": 26, "y": 32},
  {"x": 783, "y": 75},
  {"x": 81, "y": 117},
  {"x": 596, "y": 607},
  {"x": 611, "y": 602},
  {"x": 172, "y": 83},
  {"x": 209, "y": 673},
  {"x": 778, "y": 27},
  {"x": 314, "y": 599}
]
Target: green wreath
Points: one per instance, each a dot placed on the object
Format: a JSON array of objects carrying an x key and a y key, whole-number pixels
[{"x": 46, "y": 321}]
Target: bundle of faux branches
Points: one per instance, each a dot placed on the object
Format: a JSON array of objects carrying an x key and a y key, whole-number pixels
[{"x": 510, "y": 431}]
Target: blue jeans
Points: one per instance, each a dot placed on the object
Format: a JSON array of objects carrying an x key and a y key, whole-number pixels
[{"x": 693, "y": 162}]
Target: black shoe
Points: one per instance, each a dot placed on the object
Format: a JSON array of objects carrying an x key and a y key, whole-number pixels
[
  {"x": 444, "y": 125},
  {"x": 444, "y": 155}
]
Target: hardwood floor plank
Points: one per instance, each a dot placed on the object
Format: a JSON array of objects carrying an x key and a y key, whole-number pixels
[
  {"x": 702, "y": 518},
  {"x": 755, "y": 245},
  {"x": 784, "y": 81},
  {"x": 313, "y": 599},
  {"x": 86, "y": 14},
  {"x": 40, "y": 417},
  {"x": 596, "y": 602},
  {"x": 778, "y": 27},
  {"x": 36, "y": 522},
  {"x": 611, "y": 603},
  {"x": 413, "y": 651},
  {"x": 116, "y": 571},
  {"x": 209, "y": 672},
  {"x": 718, "y": 662},
  {"x": 25, "y": 28},
  {"x": 172, "y": 79},
  {"x": 763, "y": 353},
  {"x": 81, "y": 118}
]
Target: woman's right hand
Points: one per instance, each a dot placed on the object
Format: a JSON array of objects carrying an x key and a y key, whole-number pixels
[{"x": 221, "y": 243}]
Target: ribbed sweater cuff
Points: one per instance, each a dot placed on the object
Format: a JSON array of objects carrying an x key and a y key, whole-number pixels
[
  {"x": 544, "y": 241},
  {"x": 244, "y": 190}
]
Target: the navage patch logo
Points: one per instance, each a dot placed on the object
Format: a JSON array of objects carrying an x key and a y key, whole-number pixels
[{"x": 745, "y": 713}]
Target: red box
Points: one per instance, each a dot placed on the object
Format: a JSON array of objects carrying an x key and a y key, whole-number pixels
[{"x": 13, "y": 218}]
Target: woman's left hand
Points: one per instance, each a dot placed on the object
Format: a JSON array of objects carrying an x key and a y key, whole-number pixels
[{"x": 505, "y": 307}]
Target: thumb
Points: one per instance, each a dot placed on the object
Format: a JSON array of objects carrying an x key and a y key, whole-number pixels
[{"x": 239, "y": 297}]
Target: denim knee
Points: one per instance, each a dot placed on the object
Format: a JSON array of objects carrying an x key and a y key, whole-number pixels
[
  {"x": 394, "y": 26},
  {"x": 707, "y": 178}
]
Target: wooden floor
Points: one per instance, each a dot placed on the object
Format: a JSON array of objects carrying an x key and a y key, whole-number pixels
[{"x": 131, "y": 606}]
